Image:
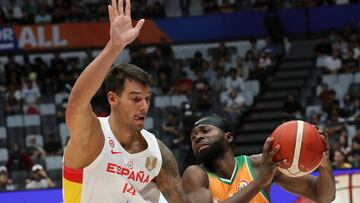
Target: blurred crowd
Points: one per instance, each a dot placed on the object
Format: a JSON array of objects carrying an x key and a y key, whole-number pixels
[
  {"x": 338, "y": 67},
  {"x": 59, "y": 11},
  {"x": 212, "y": 83}
]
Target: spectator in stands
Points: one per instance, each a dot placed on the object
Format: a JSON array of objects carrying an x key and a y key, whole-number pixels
[
  {"x": 343, "y": 143},
  {"x": 42, "y": 16},
  {"x": 29, "y": 9},
  {"x": 234, "y": 81},
  {"x": 18, "y": 160},
  {"x": 254, "y": 48},
  {"x": 5, "y": 180},
  {"x": 221, "y": 51},
  {"x": 16, "y": 11},
  {"x": 39, "y": 179},
  {"x": 218, "y": 80},
  {"x": 333, "y": 128},
  {"x": 235, "y": 105},
  {"x": 351, "y": 64},
  {"x": 35, "y": 151},
  {"x": 327, "y": 98},
  {"x": 243, "y": 71},
  {"x": 139, "y": 57},
  {"x": 316, "y": 120},
  {"x": 340, "y": 160},
  {"x": 52, "y": 145},
  {"x": 164, "y": 84},
  {"x": 250, "y": 61},
  {"x": 333, "y": 64},
  {"x": 197, "y": 61},
  {"x": 341, "y": 46},
  {"x": 12, "y": 71},
  {"x": 183, "y": 85},
  {"x": 202, "y": 96},
  {"x": 262, "y": 67},
  {"x": 170, "y": 129},
  {"x": 12, "y": 100},
  {"x": 354, "y": 156},
  {"x": 60, "y": 111},
  {"x": 292, "y": 109},
  {"x": 30, "y": 95},
  {"x": 346, "y": 106},
  {"x": 208, "y": 70},
  {"x": 165, "y": 48}
]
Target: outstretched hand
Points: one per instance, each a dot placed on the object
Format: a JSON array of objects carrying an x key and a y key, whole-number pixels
[
  {"x": 268, "y": 166},
  {"x": 122, "y": 31}
]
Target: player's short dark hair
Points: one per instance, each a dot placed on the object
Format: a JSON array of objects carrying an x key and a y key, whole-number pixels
[{"x": 115, "y": 79}]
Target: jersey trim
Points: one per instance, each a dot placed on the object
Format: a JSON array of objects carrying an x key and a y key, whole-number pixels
[
  {"x": 224, "y": 180},
  {"x": 253, "y": 177},
  {"x": 73, "y": 175}
]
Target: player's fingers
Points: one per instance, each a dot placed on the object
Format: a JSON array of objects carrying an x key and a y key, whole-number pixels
[
  {"x": 316, "y": 127},
  {"x": 114, "y": 8},
  {"x": 274, "y": 151},
  {"x": 111, "y": 13},
  {"x": 277, "y": 164},
  {"x": 139, "y": 25},
  {"x": 267, "y": 145},
  {"x": 128, "y": 8},
  {"x": 120, "y": 7}
]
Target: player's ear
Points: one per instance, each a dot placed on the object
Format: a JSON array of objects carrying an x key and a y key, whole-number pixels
[
  {"x": 229, "y": 137},
  {"x": 112, "y": 98}
]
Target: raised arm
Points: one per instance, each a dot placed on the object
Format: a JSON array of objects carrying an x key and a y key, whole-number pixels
[
  {"x": 320, "y": 189},
  {"x": 81, "y": 121}
]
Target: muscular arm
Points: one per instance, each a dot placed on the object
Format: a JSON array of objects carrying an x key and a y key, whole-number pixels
[
  {"x": 168, "y": 180},
  {"x": 196, "y": 186},
  {"x": 320, "y": 189}
]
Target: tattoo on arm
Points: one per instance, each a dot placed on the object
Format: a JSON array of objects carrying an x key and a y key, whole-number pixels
[{"x": 168, "y": 180}]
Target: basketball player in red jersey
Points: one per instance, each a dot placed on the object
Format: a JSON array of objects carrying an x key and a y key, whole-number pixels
[
  {"x": 113, "y": 159},
  {"x": 246, "y": 178}
]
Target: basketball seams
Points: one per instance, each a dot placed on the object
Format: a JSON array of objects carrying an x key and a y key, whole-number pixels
[
  {"x": 310, "y": 161},
  {"x": 298, "y": 145},
  {"x": 301, "y": 145}
]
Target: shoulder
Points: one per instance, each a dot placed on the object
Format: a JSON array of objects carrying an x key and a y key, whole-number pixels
[
  {"x": 195, "y": 177},
  {"x": 163, "y": 148},
  {"x": 195, "y": 171}
]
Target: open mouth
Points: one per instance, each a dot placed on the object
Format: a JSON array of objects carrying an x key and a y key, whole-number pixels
[{"x": 140, "y": 118}]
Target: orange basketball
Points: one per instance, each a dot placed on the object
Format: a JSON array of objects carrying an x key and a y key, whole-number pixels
[{"x": 302, "y": 146}]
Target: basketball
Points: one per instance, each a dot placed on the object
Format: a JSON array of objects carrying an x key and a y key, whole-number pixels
[{"x": 302, "y": 146}]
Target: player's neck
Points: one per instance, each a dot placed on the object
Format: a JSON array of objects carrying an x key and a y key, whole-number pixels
[
  {"x": 122, "y": 132},
  {"x": 224, "y": 165}
]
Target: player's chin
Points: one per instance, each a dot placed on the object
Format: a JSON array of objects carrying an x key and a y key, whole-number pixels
[{"x": 139, "y": 125}]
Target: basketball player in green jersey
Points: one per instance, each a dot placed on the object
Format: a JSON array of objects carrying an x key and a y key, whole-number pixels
[{"x": 246, "y": 178}]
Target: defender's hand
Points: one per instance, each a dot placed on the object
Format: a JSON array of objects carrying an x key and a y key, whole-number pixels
[{"x": 122, "y": 31}]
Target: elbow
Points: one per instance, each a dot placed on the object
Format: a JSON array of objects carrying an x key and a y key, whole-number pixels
[
  {"x": 327, "y": 198},
  {"x": 333, "y": 198}
]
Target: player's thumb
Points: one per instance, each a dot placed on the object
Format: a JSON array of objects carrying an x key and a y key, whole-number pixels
[{"x": 139, "y": 25}]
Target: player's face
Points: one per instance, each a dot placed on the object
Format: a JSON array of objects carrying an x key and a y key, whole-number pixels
[
  {"x": 208, "y": 142},
  {"x": 132, "y": 105}
]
